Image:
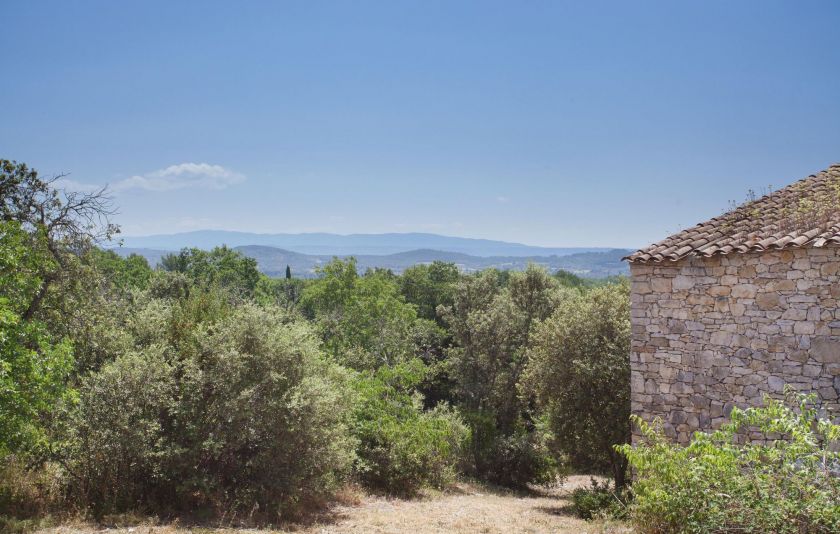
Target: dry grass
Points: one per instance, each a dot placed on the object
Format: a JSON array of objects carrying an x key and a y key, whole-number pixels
[{"x": 467, "y": 508}]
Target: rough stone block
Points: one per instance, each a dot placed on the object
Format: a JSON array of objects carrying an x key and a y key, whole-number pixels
[
  {"x": 744, "y": 291},
  {"x": 825, "y": 350},
  {"x": 661, "y": 285},
  {"x": 767, "y": 301},
  {"x": 830, "y": 268},
  {"x": 721, "y": 338},
  {"x": 682, "y": 282}
]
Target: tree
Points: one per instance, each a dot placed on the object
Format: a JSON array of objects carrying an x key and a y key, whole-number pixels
[
  {"x": 491, "y": 326},
  {"x": 579, "y": 373},
  {"x": 124, "y": 273},
  {"x": 44, "y": 234},
  {"x": 68, "y": 223},
  {"x": 288, "y": 273},
  {"x": 222, "y": 266},
  {"x": 33, "y": 367},
  {"x": 570, "y": 279},
  {"x": 429, "y": 286},
  {"x": 364, "y": 320},
  {"x": 283, "y": 292}
]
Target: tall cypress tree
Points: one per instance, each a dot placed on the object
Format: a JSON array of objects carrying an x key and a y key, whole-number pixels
[{"x": 288, "y": 273}]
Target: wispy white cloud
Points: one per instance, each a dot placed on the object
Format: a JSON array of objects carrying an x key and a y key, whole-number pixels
[
  {"x": 181, "y": 176},
  {"x": 502, "y": 199}
]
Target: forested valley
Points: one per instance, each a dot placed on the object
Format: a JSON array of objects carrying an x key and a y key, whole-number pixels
[{"x": 203, "y": 386}]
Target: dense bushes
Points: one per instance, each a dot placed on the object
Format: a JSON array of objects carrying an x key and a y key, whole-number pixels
[
  {"x": 789, "y": 481},
  {"x": 403, "y": 448},
  {"x": 188, "y": 394},
  {"x": 264, "y": 414},
  {"x": 514, "y": 458},
  {"x": 599, "y": 500},
  {"x": 254, "y": 420}
]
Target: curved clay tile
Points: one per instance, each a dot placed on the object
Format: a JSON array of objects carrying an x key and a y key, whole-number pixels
[{"x": 763, "y": 224}]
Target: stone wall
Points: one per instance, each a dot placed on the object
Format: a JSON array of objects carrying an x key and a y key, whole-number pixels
[{"x": 709, "y": 334}]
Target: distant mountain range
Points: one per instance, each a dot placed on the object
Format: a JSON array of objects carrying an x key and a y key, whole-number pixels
[
  {"x": 273, "y": 261},
  {"x": 345, "y": 245},
  {"x": 303, "y": 253}
]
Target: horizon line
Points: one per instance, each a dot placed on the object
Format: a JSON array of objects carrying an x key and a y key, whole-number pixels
[{"x": 369, "y": 234}]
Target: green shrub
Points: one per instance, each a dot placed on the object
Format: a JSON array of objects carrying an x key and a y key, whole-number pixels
[
  {"x": 29, "y": 494},
  {"x": 263, "y": 416},
  {"x": 599, "y": 500},
  {"x": 514, "y": 459},
  {"x": 722, "y": 482},
  {"x": 119, "y": 446},
  {"x": 402, "y": 447},
  {"x": 169, "y": 285},
  {"x": 240, "y": 414}
]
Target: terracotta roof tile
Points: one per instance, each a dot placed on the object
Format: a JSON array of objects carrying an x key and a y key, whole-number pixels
[{"x": 803, "y": 214}]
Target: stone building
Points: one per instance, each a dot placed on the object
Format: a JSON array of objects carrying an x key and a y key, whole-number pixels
[{"x": 737, "y": 307}]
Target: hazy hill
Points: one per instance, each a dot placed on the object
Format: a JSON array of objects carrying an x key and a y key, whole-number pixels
[
  {"x": 273, "y": 261},
  {"x": 342, "y": 245}
]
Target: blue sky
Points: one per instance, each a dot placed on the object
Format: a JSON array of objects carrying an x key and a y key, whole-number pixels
[{"x": 548, "y": 123}]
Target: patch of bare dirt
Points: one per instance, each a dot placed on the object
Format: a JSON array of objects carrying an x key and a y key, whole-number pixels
[{"x": 466, "y": 508}]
